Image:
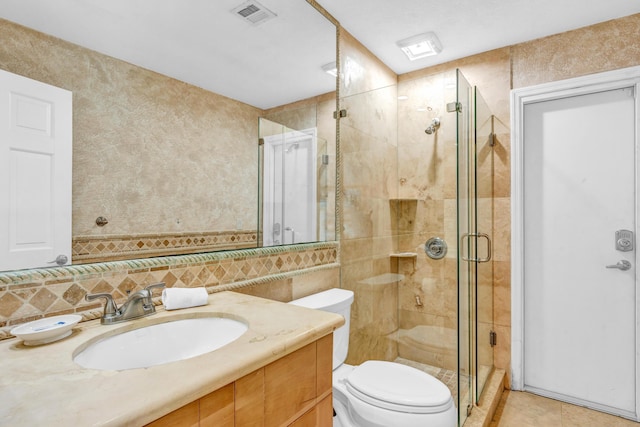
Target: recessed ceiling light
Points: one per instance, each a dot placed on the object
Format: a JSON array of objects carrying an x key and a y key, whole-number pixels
[
  {"x": 420, "y": 46},
  {"x": 403, "y": 97}
]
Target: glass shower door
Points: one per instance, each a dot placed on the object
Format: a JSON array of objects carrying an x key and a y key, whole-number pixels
[
  {"x": 483, "y": 178},
  {"x": 475, "y": 230},
  {"x": 466, "y": 246}
]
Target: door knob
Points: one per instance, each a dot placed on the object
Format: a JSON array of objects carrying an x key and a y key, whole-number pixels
[
  {"x": 60, "y": 260},
  {"x": 623, "y": 265}
]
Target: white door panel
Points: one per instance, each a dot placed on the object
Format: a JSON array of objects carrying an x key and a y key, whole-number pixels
[
  {"x": 35, "y": 177},
  {"x": 579, "y": 188},
  {"x": 290, "y": 188}
]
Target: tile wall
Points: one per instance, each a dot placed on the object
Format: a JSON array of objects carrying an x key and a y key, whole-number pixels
[{"x": 293, "y": 271}]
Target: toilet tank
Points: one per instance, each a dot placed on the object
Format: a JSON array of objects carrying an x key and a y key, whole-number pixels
[{"x": 335, "y": 301}]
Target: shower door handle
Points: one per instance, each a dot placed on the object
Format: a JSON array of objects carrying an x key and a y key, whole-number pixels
[
  {"x": 476, "y": 235},
  {"x": 623, "y": 265}
]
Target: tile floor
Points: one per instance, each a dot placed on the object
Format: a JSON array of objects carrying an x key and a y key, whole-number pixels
[
  {"x": 449, "y": 378},
  {"x": 518, "y": 409}
]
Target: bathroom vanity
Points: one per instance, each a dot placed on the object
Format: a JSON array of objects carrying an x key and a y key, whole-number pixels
[{"x": 276, "y": 373}]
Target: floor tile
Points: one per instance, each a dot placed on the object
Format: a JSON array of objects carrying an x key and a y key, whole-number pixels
[
  {"x": 519, "y": 409},
  {"x": 577, "y": 416}
]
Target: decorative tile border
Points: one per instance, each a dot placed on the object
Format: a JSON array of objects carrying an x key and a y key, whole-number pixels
[
  {"x": 27, "y": 295},
  {"x": 89, "y": 249}
]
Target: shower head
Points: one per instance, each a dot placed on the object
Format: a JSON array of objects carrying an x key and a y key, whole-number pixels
[{"x": 433, "y": 127}]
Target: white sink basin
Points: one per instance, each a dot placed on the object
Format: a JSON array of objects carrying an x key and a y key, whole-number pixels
[{"x": 161, "y": 343}]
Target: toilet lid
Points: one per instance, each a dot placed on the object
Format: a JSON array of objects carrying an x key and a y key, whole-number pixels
[{"x": 398, "y": 387}]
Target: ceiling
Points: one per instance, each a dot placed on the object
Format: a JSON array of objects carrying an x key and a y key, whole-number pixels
[
  {"x": 465, "y": 27},
  {"x": 279, "y": 61}
]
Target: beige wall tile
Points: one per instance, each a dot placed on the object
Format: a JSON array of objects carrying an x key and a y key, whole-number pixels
[
  {"x": 502, "y": 293},
  {"x": 601, "y": 47},
  {"x": 315, "y": 282}
]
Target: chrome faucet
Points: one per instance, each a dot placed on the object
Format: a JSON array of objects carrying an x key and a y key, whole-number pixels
[{"x": 139, "y": 304}]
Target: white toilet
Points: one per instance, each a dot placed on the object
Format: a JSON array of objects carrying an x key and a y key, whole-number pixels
[{"x": 378, "y": 393}]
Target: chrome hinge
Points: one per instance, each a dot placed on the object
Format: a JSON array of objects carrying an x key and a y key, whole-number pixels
[
  {"x": 260, "y": 141},
  {"x": 493, "y": 338},
  {"x": 343, "y": 113},
  {"x": 492, "y": 139},
  {"x": 453, "y": 107}
]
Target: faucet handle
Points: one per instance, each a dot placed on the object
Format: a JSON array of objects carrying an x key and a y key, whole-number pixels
[
  {"x": 154, "y": 286},
  {"x": 110, "y": 306}
]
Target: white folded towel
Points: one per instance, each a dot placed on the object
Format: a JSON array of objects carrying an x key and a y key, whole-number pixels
[{"x": 176, "y": 298}]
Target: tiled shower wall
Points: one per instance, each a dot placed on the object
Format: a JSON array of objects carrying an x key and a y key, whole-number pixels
[
  {"x": 369, "y": 171},
  {"x": 427, "y": 293}
]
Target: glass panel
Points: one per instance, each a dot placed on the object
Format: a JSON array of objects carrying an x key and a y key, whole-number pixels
[
  {"x": 369, "y": 181},
  {"x": 466, "y": 221},
  {"x": 483, "y": 156},
  {"x": 293, "y": 193},
  {"x": 425, "y": 208}
]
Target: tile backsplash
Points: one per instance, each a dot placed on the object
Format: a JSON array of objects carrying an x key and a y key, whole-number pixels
[
  {"x": 32, "y": 294},
  {"x": 86, "y": 249}
]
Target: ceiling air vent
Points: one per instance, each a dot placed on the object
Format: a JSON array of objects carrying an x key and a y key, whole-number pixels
[{"x": 253, "y": 12}]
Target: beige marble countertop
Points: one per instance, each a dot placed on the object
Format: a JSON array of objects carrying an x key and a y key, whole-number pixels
[{"x": 42, "y": 386}]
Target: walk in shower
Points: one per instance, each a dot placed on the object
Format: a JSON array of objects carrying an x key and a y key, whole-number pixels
[{"x": 416, "y": 167}]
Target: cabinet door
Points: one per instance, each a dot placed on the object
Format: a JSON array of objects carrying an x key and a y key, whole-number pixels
[
  {"x": 217, "y": 408},
  {"x": 250, "y": 400},
  {"x": 187, "y": 416},
  {"x": 324, "y": 356},
  {"x": 320, "y": 416},
  {"x": 290, "y": 386}
]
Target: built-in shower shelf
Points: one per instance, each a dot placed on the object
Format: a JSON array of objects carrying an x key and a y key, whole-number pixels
[
  {"x": 404, "y": 255},
  {"x": 383, "y": 279},
  {"x": 403, "y": 200}
]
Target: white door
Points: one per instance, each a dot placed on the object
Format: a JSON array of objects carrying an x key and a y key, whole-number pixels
[
  {"x": 290, "y": 188},
  {"x": 35, "y": 173},
  {"x": 579, "y": 189}
]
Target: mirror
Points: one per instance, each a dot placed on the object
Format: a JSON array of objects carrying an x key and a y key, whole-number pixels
[
  {"x": 298, "y": 175},
  {"x": 162, "y": 167}
]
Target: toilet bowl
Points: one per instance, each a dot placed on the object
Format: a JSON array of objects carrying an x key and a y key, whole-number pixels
[{"x": 379, "y": 393}]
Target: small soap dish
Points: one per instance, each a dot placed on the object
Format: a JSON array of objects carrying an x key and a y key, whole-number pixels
[{"x": 44, "y": 331}]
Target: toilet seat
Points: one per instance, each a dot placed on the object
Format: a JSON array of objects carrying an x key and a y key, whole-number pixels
[{"x": 399, "y": 388}]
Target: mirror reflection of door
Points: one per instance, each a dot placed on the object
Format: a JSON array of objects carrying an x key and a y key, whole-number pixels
[
  {"x": 35, "y": 173},
  {"x": 290, "y": 188}
]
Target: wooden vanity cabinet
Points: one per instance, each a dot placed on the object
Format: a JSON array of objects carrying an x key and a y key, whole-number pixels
[{"x": 292, "y": 391}]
